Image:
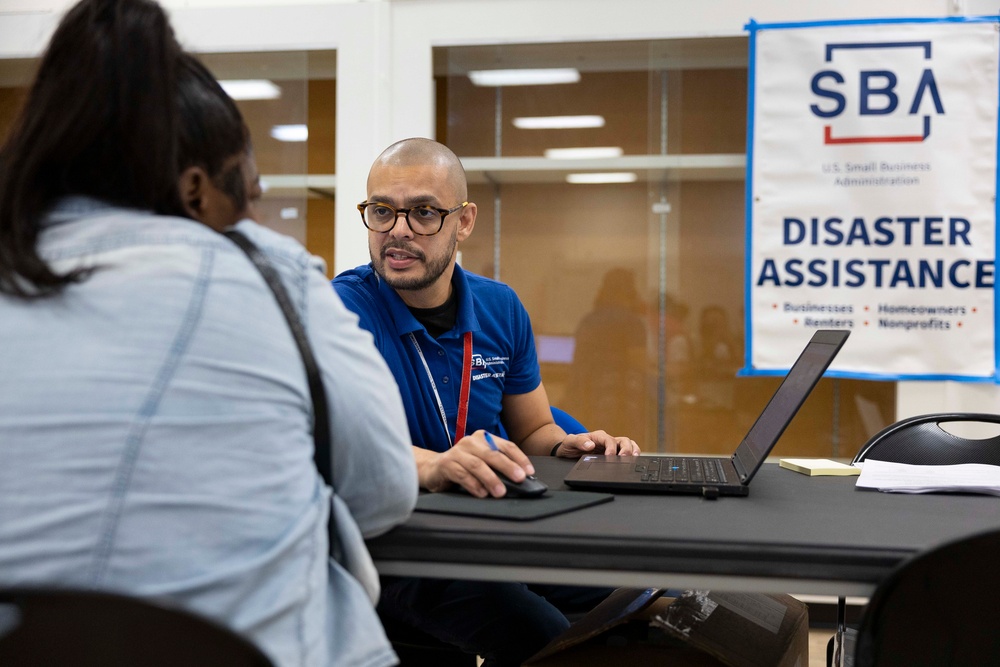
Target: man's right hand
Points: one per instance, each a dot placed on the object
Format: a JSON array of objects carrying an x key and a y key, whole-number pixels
[{"x": 471, "y": 464}]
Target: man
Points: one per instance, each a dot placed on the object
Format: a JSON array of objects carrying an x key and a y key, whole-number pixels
[{"x": 462, "y": 351}]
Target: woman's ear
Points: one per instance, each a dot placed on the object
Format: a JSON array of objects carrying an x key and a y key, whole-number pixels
[{"x": 192, "y": 186}]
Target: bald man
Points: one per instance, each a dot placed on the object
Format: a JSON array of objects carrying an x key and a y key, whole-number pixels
[{"x": 462, "y": 351}]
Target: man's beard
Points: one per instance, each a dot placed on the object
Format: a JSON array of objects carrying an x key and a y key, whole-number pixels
[{"x": 433, "y": 268}]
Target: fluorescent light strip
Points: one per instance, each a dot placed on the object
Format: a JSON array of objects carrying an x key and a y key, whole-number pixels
[
  {"x": 557, "y": 122},
  {"x": 610, "y": 177},
  {"x": 583, "y": 153},
  {"x": 290, "y": 132},
  {"x": 251, "y": 89},
  {"x": 523, "y": 77}
]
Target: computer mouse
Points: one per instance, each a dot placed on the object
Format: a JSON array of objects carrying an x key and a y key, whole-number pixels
[{"x": 531, "y": 487}]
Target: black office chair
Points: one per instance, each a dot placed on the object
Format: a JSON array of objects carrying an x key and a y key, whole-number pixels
[
  {"x": 936, "y": 609},
  {"x": 920, "y": 440},
  {"x": 75, "y": 628}
]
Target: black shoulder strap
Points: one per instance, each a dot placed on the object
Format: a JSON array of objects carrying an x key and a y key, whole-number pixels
[{"x": 322, "y": 449}]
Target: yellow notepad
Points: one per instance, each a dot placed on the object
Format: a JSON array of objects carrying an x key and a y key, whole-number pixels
[{"x": 819, "y": 467}]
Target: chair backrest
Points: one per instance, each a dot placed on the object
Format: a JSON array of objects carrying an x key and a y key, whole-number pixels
[
  {"x": 74, "y": 628},
  {"x": 921, "y": 441},
  {"x": 936, "y": 609},
  {"x": 566, "y": 421}
]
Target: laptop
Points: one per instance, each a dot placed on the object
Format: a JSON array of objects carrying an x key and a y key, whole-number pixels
[{"x": 716, "y": 476}]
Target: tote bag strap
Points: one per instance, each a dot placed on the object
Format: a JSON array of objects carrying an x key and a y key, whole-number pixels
[{"x": 322, "y": 449}]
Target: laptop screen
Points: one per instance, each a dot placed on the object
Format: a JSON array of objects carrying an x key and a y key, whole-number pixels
[{"x": 801, "y": 378}]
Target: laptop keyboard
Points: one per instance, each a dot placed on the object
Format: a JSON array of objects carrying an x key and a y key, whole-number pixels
[{"x": 680, "y": 469}]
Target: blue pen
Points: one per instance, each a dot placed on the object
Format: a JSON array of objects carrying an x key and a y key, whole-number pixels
[{"x": 489, "y": 441}]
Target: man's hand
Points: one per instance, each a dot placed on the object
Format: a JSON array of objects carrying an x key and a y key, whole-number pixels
[
  {"x": 471, "y": 464},
  {"x": 576, "y": 445}
]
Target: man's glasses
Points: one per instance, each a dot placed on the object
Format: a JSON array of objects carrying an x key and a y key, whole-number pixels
[{"x": 423, "y": 220}]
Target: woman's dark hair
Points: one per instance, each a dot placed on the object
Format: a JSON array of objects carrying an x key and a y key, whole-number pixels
[
  {"x": 115, "y": 111},
  {"x": 212, "y": 130}
]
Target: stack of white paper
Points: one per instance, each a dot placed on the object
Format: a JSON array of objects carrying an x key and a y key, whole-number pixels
[{"x": 906, "y": 478}]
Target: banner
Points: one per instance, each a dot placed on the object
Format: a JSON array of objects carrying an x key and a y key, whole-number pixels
[{"x": 871, "y": 195}]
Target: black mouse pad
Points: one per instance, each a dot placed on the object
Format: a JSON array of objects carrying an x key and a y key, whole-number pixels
[{"x": 516, "y": 509}]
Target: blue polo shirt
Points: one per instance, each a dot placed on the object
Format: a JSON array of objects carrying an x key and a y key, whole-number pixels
[{"x": 503, "y": 351}]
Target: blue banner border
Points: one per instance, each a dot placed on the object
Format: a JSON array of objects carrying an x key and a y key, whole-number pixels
[{"x": 753, "y": 27}]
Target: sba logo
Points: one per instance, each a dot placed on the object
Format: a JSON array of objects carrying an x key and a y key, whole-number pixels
[{"x": 881, "y": 95}]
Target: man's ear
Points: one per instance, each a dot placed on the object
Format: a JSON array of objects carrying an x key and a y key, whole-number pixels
[
  {"x": 191, "y": 186},
  {"x": 467, "y": 221}
]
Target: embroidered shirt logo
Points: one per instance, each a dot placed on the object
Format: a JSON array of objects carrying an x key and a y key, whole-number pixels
[{"x": 488, "y": 367}]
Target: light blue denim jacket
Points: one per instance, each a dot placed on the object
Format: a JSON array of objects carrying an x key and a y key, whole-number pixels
[{"x": 155, "y": 434}]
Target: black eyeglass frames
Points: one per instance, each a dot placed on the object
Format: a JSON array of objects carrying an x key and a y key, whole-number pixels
[{"x": 424, "y": 220}]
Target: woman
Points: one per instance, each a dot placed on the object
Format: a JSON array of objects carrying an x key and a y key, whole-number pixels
[{"x": 154, "y": 415}]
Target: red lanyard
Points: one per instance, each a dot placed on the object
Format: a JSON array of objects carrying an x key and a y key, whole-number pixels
[{"x": 463, "y": 396}]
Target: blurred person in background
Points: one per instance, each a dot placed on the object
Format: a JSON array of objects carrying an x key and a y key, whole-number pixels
[{"x": 608, "y": 379}]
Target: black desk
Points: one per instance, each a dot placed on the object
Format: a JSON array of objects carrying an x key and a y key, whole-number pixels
[{"x": 793, "y": 534}]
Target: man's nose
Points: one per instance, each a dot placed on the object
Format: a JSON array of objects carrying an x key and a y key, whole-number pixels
[{"x": 402, "y": 227}]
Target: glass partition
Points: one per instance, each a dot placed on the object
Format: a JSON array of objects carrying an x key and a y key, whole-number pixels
[
  {"x": 288, "y": 101},
  {"x": 628, "y": 248},
  {"x": 15, "y": 75}
]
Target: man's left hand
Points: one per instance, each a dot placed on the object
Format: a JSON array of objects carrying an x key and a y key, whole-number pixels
[{"x": 577, "y": 444}]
